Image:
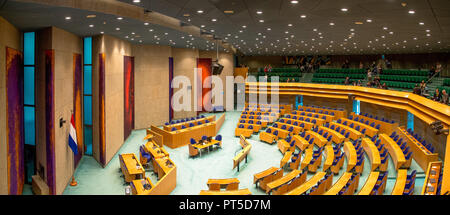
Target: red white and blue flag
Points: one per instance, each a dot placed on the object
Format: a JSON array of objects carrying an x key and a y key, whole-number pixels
[{"x": 73, "y": 137}]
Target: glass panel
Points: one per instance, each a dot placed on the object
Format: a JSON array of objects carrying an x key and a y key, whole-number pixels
[
  {"x": 88, "y": 110},
  {"x": 88, "y": 140},
  {"x": 356, "y": 106},
  {"x": 88, "y": 50},
  {"x": 28, "y": 85},
  {"x": 28, "y": 49},
  {"x": 410, "y": 121},
  {"x": 87, "y": 80},
  {"x": 30, "y": 131}
]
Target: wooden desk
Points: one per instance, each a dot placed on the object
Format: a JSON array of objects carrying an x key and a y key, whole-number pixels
[
  {"x": 350, "y": 153},
  {"x": 308, "y": 157},
  {"x": 319, "y": 122},
  {"x": 370, "y": 131},
  {"x": 179, "y": 138},
  {"x": 285, "y": 159},
  {"x": 319, "y": 140},
  {"x": 284, "y": 146},
  {"x": 328, "y": 118},
  {"x": 155, "y": 150},
  {"x": 131, "y": 167},
  {"x": 370, "y": 183},
  {"x": 432, "y": 177},
  {"x": 308, "y": 125},
  {"x": 267, "y": 176},
  {"x": 255, "y": 129},
  {"x": 330, "y": 157},
  {"x": 195, "y": 122},
  {"x": 230, "y": 192},
  {"x": 400, "y": 182},
  {"x": 163, "y": 166},
  {"x": 137, "y": 186},
  {"x": 228, "y": 184},
  {"x": 247, "y": 121},
  {"x": 373, "y": 153},
  {"x": 300, "y": 142},
  {"x": 336, "y": 136},
  {"x": 281, "y": 133},
  {"x": 206, "y": 145},
  {"x": 243, "y": 131},
  {"x": 283, "y": 180},
  {"x": 241, "y": 156},
  {"x": 337, "y": 113},
  {"x": 420, "y": 154},
  {"x": 394, "y": 150},
  {"x": 354, "y": 134},
  {"x": 307, "y": 185},
  {"x": 340, "y": 184},
  {"x": 385, "y": 127},
  {"x": 268, "y": 137},
  {"x": 295, "y": 129}
]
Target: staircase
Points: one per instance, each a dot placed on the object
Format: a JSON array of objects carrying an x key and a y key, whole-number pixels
[{"x": 435, "y": 83}]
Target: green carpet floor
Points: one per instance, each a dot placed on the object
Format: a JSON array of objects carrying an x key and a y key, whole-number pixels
[{"x": 193, "y": 173}]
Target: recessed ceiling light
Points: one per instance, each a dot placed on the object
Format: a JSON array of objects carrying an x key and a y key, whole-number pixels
[
  {"x": 269, "y": 29},
  {"x": 213, "y": 20},
  {"x": 344, "y": 9},
  {"x": 290, "y": 25},
  {"x": 391, "y": 32},
  {"x": 261, "y": 20},
  {"x": 259, "y": 12},
  {"x": 315, "y": 29},
  {"x": 385, "y": 28},
  {"x": 331, "y": 23},
  {"x": 427, "y": 30},
  {"x": 117, "y": 29},
  {"x": 202, "y": 26},
  {"x": 91, "y": 26},
  {"x": 150, "y": 30},
  {"x": 119, "y": 18},
  {"x": 411, "y": 12},
  {"x": 428, "y": 35},
  {"x": 294, "y": 2},
  {"x": 200, "y": 11},
  {"x": 303, "y": 16},
  {"x": 136, "y": 1},
  {"x": 244, "y": 26},
  {"x": 146, "y": 23},
  {"x": 68, "y": 18},
  {"x": 101, "y": 32},
  {"x": 421, "y": 23}
]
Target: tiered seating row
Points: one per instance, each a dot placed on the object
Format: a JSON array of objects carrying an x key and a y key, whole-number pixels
[{"x": 422, "y": 152}]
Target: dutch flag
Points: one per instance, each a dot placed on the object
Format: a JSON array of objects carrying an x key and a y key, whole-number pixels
[{"x": 73, "y": 137}]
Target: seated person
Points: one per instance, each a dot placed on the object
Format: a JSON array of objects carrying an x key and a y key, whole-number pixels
[{"x": 437, "y": 96}]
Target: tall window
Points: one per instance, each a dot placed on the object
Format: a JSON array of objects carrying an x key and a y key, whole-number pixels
[
  {"x": 356, "y": 106},
  {"x": 29, "y": 82},
  {"x": 87, "y": 95}
]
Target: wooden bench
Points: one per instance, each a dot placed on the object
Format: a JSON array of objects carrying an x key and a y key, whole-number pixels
[
  {"x": 373, "y": 153},
  {"x": 336, "y": 136},
  {"x": 354, "y": 134},
  {"x": 394, "y": 150},
  {"x": 430, "y": 184},
  {"x": 307, "y": 185},
  {"x": 385, "y": 127},
  {"x": 246, "y": 132},
  {"x": 370, "y": 131},
  {"x": 400, "y": 182},
  {"x": 286, "y": 183},
  {"x": 228, "y": 192},
  {"x": 350, "y": 153},
  {"x": 319, "y": 140},
  {"x": 300, "y": 142},
  {"x": 228, "y": 184},
  {"x": 267, "y": 176},
  {"x": 370, "y": 183},
  {"x": 330, "y": 157},
  {"x": 421, "y": 155},
  {"x": 328, "y": 118},
  {"x": 337, "y": 113},
  {"x": 340, "y": 184}
]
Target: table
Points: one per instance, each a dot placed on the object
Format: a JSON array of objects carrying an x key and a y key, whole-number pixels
[
  {"x": 336, "y": 136},
  {"x": 131, "y": 167},
  {"x": 206, "y": 145},
  {"x": 394, "y": 150},
  {"x": 228, "y": 183},
  {"x": 137, "y": 186},
  {"x": 232, "y": 192}
]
